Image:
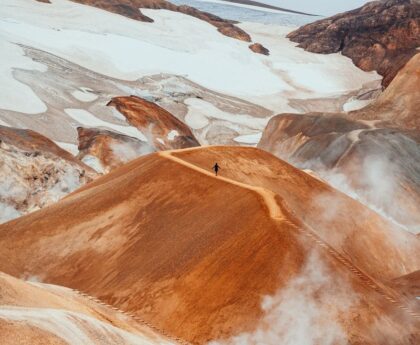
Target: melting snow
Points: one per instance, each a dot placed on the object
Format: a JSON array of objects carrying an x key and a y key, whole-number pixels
[
  {"x": 252, "y": 139},
  {"x": 85, "y": 118},
  {"x": 84, "y": 95},
  {"x": 198, "y": 107},
  {"x": 94, "y": 163},
  {"x": 7, "y": 212},
  {"x": 73, "y": 328},
  {"x": 355, "y": 104},
  {"x": 172, "y": 134},
  {"x": 14, "y": 95},
  {"x": 72, "y": 148},
  {"x": 196, "y": 120},
  {"x": 176, "y": 44},
  {"x": 4, "y": 123}
]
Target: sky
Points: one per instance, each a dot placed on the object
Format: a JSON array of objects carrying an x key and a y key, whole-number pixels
[{"x": 322, "y": 7}]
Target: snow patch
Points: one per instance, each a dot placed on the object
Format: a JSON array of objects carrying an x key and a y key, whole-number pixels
[
  {"x": 84, "y": 95},
  {"x": 172, "y": 134},
  {"x": 94, "y": 163},
  {"x": 85, "y": 118},
  {"x": 181, "y": 45},
  {"x": 15, "y": 95},
  {"x": 8, "y": 212},
  {"x": 355, "y": 104},
  {"x": 251, "y": 139},
  {"x": 199, "y": 107},
  {"x": 175, "y": 44},
  {"x": 2, "y": 123},
  {"x": 195, "y": 120},
  {"x": 72, "y": 148}
]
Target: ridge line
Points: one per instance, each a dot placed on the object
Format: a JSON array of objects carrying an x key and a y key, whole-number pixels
[
  {"x": 267, "y": 195},
  {"x": 277, "y": 215}
]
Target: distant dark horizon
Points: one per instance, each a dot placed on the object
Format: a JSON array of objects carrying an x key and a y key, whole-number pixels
[
  {"x": 319, "y": 7},
  {"x": 261, "y": 4}
]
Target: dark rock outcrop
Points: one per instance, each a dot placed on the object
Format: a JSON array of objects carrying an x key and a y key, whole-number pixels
[
  {"x": 381, "y": 36},
  {"x": 131, "y": 9},
  {"x": 263, "y": 5},
  {"x": 126, "y": 8},
  {"x": 259, "y": 48}
]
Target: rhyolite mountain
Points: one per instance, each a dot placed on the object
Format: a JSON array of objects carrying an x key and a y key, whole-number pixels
[
  {"x": 372, "y": 153},
  {"x": 381, "y": 35},
  {"x": 207, "y": 258}
]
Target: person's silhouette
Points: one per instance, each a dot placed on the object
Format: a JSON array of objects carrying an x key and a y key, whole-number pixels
[{"x": 216, "y": 168}]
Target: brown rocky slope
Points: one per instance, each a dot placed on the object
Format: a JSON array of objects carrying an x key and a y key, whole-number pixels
[
  {"x": 109, "y": 149},
  {"x": 35, "y": 172},
  {"x": 164, "y": 239},
  {"x": 381, "y": 35},
  {"x": 399, "y": 104},
  {"x": 372, "y": 153},
  {"x": 105, "y": 150},
  {"x": 164, "y": 130}
]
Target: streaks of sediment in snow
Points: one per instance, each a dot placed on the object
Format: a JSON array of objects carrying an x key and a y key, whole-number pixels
[
  {"x": 15, "y": 95},
  {"x": 74, "y": 328},
  {"x": 85, "y": 118}
]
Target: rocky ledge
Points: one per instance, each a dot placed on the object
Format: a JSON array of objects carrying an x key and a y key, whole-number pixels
[{"x": 381, "y": 36}]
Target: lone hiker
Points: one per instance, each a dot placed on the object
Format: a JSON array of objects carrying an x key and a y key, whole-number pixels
[{"x": 216, "y": 168}]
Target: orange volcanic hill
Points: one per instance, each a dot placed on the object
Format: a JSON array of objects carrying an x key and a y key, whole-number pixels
[
  {"x": 207, "y": 258},
  {"x": 165, "y": 131}
]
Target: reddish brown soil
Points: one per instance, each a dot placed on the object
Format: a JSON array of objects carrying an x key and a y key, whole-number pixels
[
  {"x": 193, "y": 254},
  {"x": 153, "y": 119}
]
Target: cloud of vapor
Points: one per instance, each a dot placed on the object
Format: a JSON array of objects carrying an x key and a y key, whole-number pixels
[
  {"x": 7, "y": 212},
  {"x": 127, "y": 152},
  {"x": 377, "y": 187},
  {"x": 304, "y": 312},
  {"x": 377, "y": 180}
]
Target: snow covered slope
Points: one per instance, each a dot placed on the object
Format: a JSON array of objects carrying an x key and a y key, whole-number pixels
[
  {"x": 65, "y": 55},
  {"x": 247, "y": 13}
]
